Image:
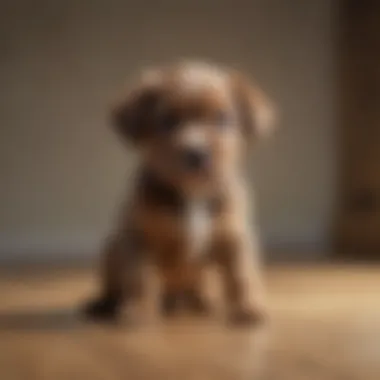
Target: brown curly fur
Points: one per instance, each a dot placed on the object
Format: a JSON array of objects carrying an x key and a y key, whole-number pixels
[{"x": 167, "y": 110}]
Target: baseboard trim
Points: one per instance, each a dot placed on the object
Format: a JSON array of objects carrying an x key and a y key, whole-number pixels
[{"x": 61, "y": 253}]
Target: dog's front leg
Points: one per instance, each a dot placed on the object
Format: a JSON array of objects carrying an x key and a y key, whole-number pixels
[
  {"x": 182, "y": 286},
  {"x": 241, "y": 279},
  {"x": 121, "y": 276}
]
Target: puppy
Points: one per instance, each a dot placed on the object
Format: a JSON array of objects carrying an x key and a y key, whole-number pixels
[{"x": 192, "y": 123}]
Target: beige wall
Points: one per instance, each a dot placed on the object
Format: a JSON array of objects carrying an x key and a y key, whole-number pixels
[{"x": 62, "y": 171}]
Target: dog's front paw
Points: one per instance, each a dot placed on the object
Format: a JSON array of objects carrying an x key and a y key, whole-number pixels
[
  {"x": 170, "y": 304},
  {"x": 248, "y": 317},
  {"x": 196, "y": 303},
  {"x": 104, "y": 309}
]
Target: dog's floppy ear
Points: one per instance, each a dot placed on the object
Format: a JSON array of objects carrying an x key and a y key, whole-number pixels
[
  {"x": 256, "y": 112},
  {"x": 133, "y": 115}
]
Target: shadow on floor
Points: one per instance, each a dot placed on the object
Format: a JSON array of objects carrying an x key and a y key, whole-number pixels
[{"x": 52, "y": 319}]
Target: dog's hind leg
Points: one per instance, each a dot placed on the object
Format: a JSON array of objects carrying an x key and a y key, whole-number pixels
[
  {"x": 121, "y": 276},
  {"x": 241, "y": 279}
]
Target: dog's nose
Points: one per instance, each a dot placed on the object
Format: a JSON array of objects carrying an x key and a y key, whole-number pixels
[{"x": 195, "y": 159}]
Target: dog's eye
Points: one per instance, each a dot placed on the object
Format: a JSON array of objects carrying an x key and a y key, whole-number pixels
[
  {"x": 168, "y": 122},
  {"x": 222, "y": 119}
]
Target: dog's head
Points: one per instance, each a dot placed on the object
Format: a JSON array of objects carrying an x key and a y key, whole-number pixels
[{"x": 192, "y": 121}]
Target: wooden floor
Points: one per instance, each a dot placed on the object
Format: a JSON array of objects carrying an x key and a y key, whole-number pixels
[{"x": 325, "y": 325}]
